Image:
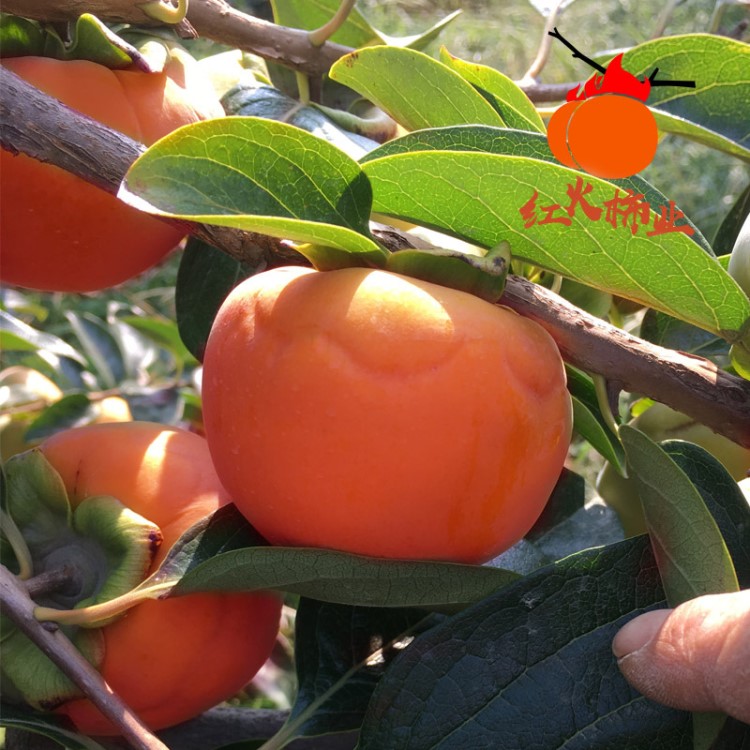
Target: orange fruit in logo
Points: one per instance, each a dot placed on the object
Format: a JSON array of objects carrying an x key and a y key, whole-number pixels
[
  {"x": 609, "y": 136},
  {"x": 382, "y": 415}
]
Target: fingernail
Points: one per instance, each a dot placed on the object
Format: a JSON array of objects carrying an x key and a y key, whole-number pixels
[{"x": 639, "y": 632}]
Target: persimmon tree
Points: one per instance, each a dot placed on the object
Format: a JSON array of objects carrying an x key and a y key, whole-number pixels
[{"x": 354, "y": 149}]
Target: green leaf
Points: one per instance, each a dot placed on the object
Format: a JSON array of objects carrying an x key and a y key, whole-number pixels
[
  {"x": 723, "y": 498},
  {"x": 73, "y": 410},
  {"x": 341, "y": 653},
  {"x": 46, "y": 725},
  {"x": 100, "y": 347},
  {"x": 531, "y": 667},
  {"x": 261, "y": 176},
  {"x": 692, "y": 555},
  {"x": 89, "y": 39},
  {"x": 483, "y": 276},
  {"x": 664, "y": 330},
  {"x": 507, "y": 99},
  {"x": 729, "y": 229},
  {"x": 591, "y": 429},
  {"x": 568, "y": 496},
  {"x": 15, "y": 335},
  {"x": 204, "y": 279},
  {"x": 413, "y": 89},
  {"x": 341, "y": 578},
  {"x": 228, "y": 555},
  {"x": 481, "y": 138},
  {"x": 251, "y": 100},
  {"x": 163, "y": 332},
  {"x": 717, "y": 110},
  {"x": 479, "y": 197}
]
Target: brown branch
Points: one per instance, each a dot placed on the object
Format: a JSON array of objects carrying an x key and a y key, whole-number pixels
[
  {"x": 39, "y": 125},
  {"x": 216, "y": 20},
  {"x": 19, "y": 608}
]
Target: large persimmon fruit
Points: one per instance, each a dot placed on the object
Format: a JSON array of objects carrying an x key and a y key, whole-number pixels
[{"x": 364, "y": 411}]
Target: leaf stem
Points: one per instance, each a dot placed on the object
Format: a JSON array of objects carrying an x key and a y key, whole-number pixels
[
  {"x": 19, "y": 608},
  {"x": 18, "y": 544},
  {"x": 600, "y": 387},
  {"x": 320, "y": 36},
  {"x": 98, "y": 613}
]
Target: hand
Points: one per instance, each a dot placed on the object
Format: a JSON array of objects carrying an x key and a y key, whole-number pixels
[{"x": 695, "y": 657}]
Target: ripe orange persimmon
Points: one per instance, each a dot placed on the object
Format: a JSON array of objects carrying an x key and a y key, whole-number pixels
[
  {"x": 174, "y": 658},
  {"x": 368, "y": 412},
  {"x": 59, "y": 233},
  {"x": 609, "y": 135}
]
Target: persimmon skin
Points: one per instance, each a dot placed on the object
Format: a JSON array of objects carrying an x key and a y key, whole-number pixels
[
  {"x": 59, "y": 233},
  {"x": 366, "y": 412},
  {"x": 168, "y": 660},
  {"x": 609, "y": 136}
]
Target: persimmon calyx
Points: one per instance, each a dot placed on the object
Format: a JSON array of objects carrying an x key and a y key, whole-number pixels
[{"x": 107, "y": 548}]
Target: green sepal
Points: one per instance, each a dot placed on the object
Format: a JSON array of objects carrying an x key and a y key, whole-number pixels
[
  {"x": 109, "y": 547},
  {"x": 90, "y": 40},
  {"x": 482, "y": 276},
  {"x": 129, "y": 543},
  {"x": 28, "y": 672}
]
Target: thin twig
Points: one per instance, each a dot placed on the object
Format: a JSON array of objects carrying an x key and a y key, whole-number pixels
[
  {"x": 49, "y": 581},
  {"x": 36, "y": 124},
  {"x": 545, "y": 45},
  {"x": 327, "y": 30},
  {"x": 19, "y": 608}
]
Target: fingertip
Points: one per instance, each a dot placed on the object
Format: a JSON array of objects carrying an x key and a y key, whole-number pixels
[{"x": 639, "y": 632}]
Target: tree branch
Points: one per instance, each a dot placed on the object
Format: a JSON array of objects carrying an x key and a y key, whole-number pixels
[
  {"x": 216, "y": 20},
  {"x": 35, "y": 124},
  {"x": 19, "y": 608}
]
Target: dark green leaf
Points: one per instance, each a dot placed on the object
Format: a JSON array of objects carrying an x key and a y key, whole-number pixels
[
  {"x": 154, "y": 404},
  {"x": 205, "y": 278},
  {"x": 73, "y": 410},
  {"x": 729, "y": 229},
  {"x": 341, "y": 578},
  {"x": 664, "y": 330},
  {"x": 692, "y": 554},
  {"x": 341, "y": 653},
  {"x": 100, "y": 347},
  {"x": 47, "y": 725},
  {"x": 162, "y": 332},
  {"x": 567, "y": 497},
  {"x": 531, "y": 667}
]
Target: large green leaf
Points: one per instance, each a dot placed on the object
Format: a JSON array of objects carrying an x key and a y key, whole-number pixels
[
  {"x": 510, "y": 102},
  {"x": 258, "y": 175},
  {"x": 531, "y": 667},
  {"x": 691, "y": 551},
  {"x": 225, "y": 553},
  {"x": 495, "y": 140},
  {"x": 341, "y": 653},
  {"x": 479, "y": 197},
  {"x": 414, "y": 89},
  {"x": 717, "y": 110}
]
